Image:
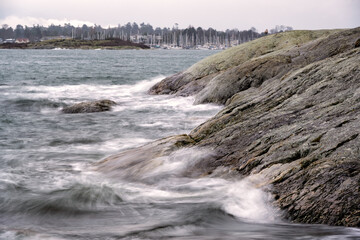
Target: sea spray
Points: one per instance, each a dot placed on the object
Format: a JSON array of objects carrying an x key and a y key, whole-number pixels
[
  {"x": 237, "y": 197},
  {"x": 245, "y": 201}
]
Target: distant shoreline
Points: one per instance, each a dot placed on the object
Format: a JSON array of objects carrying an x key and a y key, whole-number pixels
[{"x": 110, "y": 44}]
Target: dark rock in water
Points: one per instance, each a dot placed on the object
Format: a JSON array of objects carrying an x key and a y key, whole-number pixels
[
  {"x": 89, "y": 107},
  {"x": 292, "y": 118}
]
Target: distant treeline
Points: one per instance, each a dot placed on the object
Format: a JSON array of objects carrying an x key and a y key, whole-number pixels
[{"x": 143, "y": 33}]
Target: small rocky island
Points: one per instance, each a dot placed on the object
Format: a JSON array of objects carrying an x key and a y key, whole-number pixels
[
  {"x": 108, "y": 44},
  {"x": 291, "y": 119}
]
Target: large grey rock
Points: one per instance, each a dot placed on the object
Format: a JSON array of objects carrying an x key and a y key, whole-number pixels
[
  {"x": 292, "y": 117},
  {"x": 89, "y": 107},
  {"x": 301, "y": 135},
  {"x": 218, "y": 77}
]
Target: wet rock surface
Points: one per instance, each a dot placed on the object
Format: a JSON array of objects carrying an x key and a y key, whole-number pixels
[
  {"x": 291, "y": 117},
  {"x": 300, "y": 133},
  {"x": 133, "y": 164},
  {"x": 90, "y": 107}
]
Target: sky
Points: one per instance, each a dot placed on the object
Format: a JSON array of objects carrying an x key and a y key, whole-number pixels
[{"x": 218, "y": 14}]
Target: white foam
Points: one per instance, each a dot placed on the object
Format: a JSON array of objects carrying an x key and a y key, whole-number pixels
[
  {"x": 129, "y": 97},
  {"x": 107, "y": 147},
  {"x": 153, "y": 124},
  {"x": 119, "y": 144},
  {"x": 176, "y": 163},
  {"x": 237, "y": 197},
  {"x": 145, "y": 85},
  {"x": 56, "y": 49},
  {"x": 71, "y": 93},
  {"x": 186, "y": 104},
  {"x": 245, "y": 201},
  {"x": 80, "y": 91}
]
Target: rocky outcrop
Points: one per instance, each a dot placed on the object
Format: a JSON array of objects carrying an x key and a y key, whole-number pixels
[
  {"x": 217, "y": 78},
  {"x": 291, "y": 116},
  {"x": 301, "y": 133},
  {"x": 89, "y": 107}
]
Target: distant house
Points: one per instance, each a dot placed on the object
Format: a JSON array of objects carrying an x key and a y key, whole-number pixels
[
  {"x": 9, "y": 40},
  {"x": 22, "y": 40}
]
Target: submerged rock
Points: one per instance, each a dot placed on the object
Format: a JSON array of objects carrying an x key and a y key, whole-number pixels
[
  {"x": 136, "y": 164},
  {"x": 292, "y": 117},
  {"x": 89, "y": 107}
]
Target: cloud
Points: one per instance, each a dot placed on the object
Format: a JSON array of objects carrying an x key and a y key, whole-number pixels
[
  {"x": 241, "y": 14},
  {"x": 12, "y": 21}
]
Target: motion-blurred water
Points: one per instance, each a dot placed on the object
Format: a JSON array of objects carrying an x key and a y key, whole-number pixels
[{"x": 48, "y": 189}]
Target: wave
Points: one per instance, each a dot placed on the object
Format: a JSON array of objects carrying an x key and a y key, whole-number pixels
[
  {"x": 145, "y": 85},
  {"x": 44, "y": 98},
  {"x": 70, "y": 94},
  {"x": 56, "y": 49},
  {"x": 60, "y": 142},
  {"x": 246, "y": 202},
  {"x": 143, "y": 165},
  {"x": 166, "y": 180},
  {"x": 95, "y": 91},
  {"x": 75, "y": 199},
  {"x": 94, "y": 145},
  {"x": 31, "y": 105},
  {"x": 129, "y": 97}
]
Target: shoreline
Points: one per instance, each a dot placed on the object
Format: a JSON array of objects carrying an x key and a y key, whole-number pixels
[{"x": 109, "y": 44}]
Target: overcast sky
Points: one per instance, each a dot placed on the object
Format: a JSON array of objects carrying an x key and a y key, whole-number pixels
[{"x": 219, "y": 14}]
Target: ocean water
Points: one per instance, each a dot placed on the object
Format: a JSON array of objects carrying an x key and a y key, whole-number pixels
[{"x": 49, "y": 188}]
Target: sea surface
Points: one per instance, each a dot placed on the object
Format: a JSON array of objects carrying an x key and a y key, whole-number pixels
[{"x": 49, "y": 188}]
